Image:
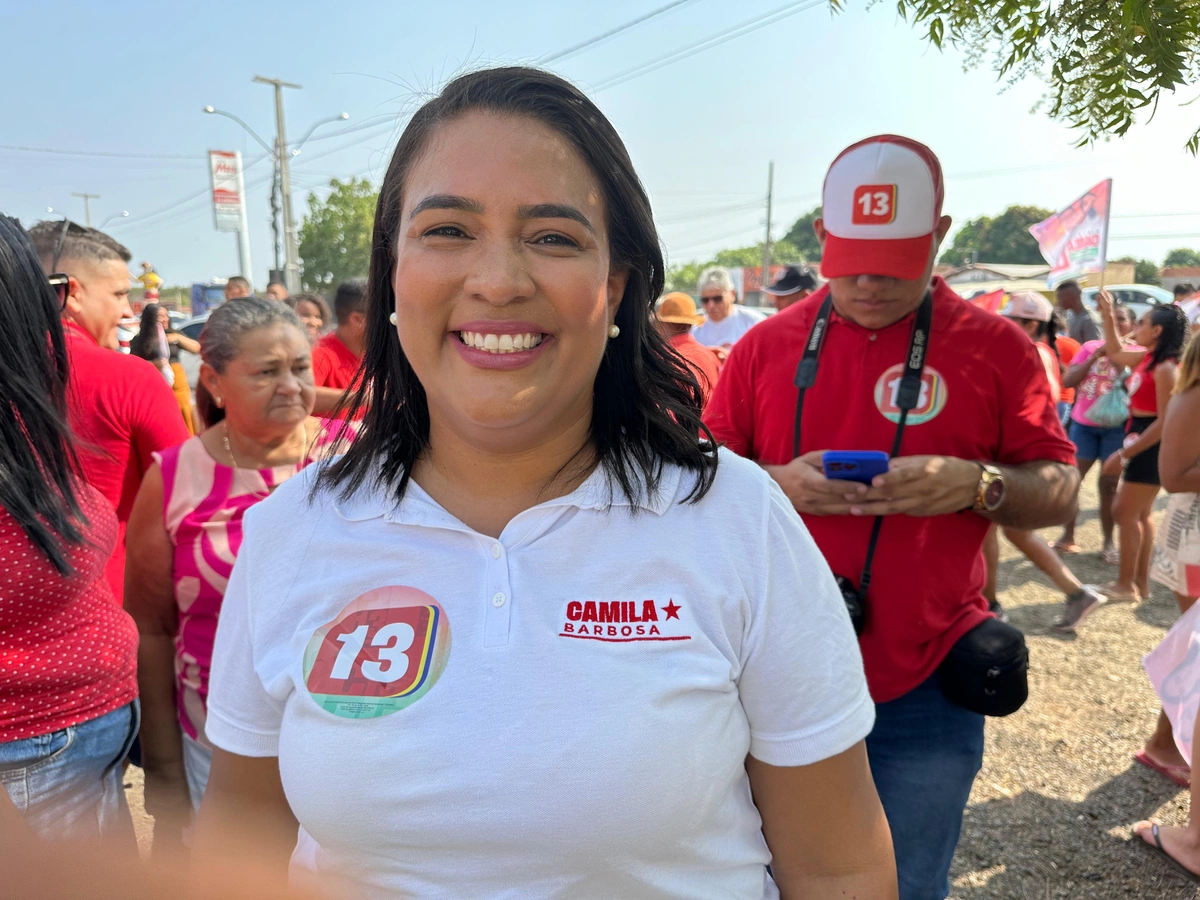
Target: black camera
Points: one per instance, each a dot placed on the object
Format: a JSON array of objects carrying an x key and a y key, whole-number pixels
[{"x": 856, "y": 603}]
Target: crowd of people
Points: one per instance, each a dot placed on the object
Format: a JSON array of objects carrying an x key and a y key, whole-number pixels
[{"x": 419, "y": 593}]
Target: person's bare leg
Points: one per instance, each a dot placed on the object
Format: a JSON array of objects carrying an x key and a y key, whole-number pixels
[
  {"x": 1066, "y": 540},
  {"x": 1127, "y": 511},
  {"x": 1161, "y": 747},
  {"x": 1108, "y": 492},
  {"x": 1141, "y": 573},
  {"x": 1039, "y": 553},
  {"x": 1181, "y": 842},
  {"x": 991, "y": 556}
]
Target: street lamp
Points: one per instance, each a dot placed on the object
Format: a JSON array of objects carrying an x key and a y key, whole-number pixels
[
  {"x": 281, "y": 155},
  {"x": 300, "y": 143},
  {"x": 123, "y": 214}
]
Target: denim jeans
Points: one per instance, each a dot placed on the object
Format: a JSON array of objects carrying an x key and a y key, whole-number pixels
[
  {"x": 197, "y": 761},
  {"x": 925, "y": 753},
  {"x": 68, "y": 784}
]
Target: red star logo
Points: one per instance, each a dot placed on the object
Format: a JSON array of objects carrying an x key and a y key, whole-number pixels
[{"x": 671, "y": 610}]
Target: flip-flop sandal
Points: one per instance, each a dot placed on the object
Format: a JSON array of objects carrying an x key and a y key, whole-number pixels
[
  {"x": 1158, "y": 850},
  {"x": 1180, "y": 775},
  {"x": 1064, "y": 549},
  {"x": 1112, "y": 556}
]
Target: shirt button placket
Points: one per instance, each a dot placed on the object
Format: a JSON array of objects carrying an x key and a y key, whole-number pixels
[{"x": 498, "y": 611}]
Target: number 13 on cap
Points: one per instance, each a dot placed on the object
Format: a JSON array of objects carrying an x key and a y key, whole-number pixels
[{"x": 874, "y": 204}]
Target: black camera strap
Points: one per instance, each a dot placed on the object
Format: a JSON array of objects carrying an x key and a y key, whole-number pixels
[{"x": 907, "y": 396}]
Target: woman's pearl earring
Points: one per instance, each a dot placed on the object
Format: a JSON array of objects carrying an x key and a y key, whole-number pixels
[
  {"x": 392, "y": 318},
  {"x": 613, "y": 331}
]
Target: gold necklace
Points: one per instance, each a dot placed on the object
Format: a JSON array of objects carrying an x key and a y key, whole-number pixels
[{"x": 237, "y": 468}]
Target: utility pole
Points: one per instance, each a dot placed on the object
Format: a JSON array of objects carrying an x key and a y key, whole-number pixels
[
  {"x": 291, "y": 251},
  {"x": 87, "y": 206},
  {"x": 766, "y": 263}
]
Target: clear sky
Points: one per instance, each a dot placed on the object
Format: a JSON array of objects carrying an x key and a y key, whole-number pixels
[{"x": 130, "y": 77}]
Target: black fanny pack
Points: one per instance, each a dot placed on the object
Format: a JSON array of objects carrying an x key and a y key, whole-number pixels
[{"x": 987, "y": 670}]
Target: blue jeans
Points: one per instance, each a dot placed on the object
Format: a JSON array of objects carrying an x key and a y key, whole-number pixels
[
  {"x": 68, "y": 784},
  {"x": 1094, "y": 442},
  {"x": 925, "y": 753}
]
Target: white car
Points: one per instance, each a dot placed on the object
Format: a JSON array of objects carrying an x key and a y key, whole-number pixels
[{"x": 1138, "y": 297}]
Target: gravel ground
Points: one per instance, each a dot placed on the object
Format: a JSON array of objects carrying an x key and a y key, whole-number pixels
[{"x": 1051, "y": 811}]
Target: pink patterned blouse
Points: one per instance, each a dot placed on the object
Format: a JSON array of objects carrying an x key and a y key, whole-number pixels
[{"x": 203, "y": 505}]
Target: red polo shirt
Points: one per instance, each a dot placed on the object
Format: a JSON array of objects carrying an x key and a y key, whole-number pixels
[
  {"x": 121, "y": 411},
  {"x": 702, "y": 360},
  {"x": 334, "y": 365},
  {"x": 984, "y": 396}
]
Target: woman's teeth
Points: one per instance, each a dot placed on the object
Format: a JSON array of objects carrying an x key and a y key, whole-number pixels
[{"x": 500, "y": 343}]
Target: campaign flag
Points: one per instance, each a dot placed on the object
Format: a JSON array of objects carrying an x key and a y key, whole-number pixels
[
  {"x": 1075, "y": 240},
  {"x": 992, "y": 301}
]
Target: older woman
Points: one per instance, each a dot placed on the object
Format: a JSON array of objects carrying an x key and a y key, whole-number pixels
[
  {"x": 491, "y": 651},
  {"x": 255, "y": 396}
]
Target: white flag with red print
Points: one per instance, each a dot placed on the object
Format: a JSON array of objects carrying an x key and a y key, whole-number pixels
[{"x": 1075, "y": 240}]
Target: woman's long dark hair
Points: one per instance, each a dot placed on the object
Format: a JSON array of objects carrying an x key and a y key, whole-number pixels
[
  {"x": 145, "y": 342},
  {"x": 1175, "y": 329},
  {"x": 646, "y": 400},
  {"x": 38, "y": 467}
]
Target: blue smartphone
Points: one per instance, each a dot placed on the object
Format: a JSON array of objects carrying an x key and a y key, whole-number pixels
[{"x": 854, "y": 465}]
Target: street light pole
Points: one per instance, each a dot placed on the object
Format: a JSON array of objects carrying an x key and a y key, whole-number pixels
[
  {"x": 87, "y": 207},
  {"x": 291, "y": 250}
]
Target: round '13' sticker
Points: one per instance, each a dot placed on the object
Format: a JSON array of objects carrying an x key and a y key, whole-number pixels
[{"x": 379, "y": 655}]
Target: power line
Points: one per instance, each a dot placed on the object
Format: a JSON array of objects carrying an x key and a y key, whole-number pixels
[
  {"x": 600, "y": 38},
  {"x": 97, "y": 153},
  {"x": 750, "y": 25},
  {"x": 183, "y": 201}
]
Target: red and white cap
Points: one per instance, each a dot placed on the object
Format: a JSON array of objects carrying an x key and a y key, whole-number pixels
[{"x": 881, "y": 205}]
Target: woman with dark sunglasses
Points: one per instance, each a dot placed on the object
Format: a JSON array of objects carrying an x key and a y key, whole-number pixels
[{"x": 68, "y": 695}]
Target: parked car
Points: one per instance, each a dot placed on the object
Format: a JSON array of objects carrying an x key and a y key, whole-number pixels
[
  {"x": 191, "y": 361},
  {"x": 1138, "y": 297}
]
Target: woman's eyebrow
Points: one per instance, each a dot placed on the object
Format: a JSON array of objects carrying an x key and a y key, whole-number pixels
[
  {"x": 555, "y": 211},
  {"x": 447, "y": 201}
]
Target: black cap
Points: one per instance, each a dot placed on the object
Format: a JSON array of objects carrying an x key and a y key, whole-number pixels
[{"x": 793, "y": 279}]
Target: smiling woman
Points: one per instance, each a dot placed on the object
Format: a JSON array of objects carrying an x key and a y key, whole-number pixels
[{"x": 479, "y": 655}]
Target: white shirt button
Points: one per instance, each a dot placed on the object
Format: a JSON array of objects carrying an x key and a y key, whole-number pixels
[
  {"x": 498, "y": 600},
  {"x": 496, "y": 551}
]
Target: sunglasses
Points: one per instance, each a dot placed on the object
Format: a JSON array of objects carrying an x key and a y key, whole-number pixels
[
  {"x": 716, "y": 298},
  {"x": 61, "y": 284}
]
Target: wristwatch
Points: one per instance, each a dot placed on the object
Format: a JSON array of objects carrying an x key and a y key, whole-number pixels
[{"x": 989, "y": 493}]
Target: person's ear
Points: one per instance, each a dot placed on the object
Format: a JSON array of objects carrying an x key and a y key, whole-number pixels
[
  {"x": 615, "y": 288},
  {"x": 943, "y": 229},
  {"x": 211, "y": 380},
  {"x": 819, "y": 231},
  {"x": 74, "y": 295}
]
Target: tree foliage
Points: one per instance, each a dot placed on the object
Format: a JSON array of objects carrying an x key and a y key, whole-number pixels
[
  {"x": 335, "y": 237},
  {"x": 801, "y": 236},
  {"x": 684, "y": 277},
  {"x": 1002, "y": 239},
  {"x": 1181, "y": 257},
  {"x": 1103, "y": 62},
  {"x": 1145, "y": 271}
]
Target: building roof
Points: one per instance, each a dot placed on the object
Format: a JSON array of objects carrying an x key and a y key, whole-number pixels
[
  {"x": 1182, "y": 272},
  {"x": 996, "y": 271}
]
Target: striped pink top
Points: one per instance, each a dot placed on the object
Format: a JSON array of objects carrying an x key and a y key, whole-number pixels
[{"x": 203, "y": 505}]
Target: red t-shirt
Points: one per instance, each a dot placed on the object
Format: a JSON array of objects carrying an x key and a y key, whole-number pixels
[
  {"x": 702, "y": 360},
  {"x": 121, "y": 411},
  {"x": 334, "y": 365},
  {"x": 983, "y": 396},
  {"x": 68, "y": 653}
]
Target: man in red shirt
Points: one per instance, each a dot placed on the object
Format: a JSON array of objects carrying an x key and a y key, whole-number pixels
[
  {"x": 336, "y": 357},
  {"x": 675, "y": 316},
  {"x": 981, "y": 444},
  {"x": 119, "y": 406}
]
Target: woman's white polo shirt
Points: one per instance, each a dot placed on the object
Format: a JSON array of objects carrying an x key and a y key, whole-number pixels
[{"x": 564, "y": 711}]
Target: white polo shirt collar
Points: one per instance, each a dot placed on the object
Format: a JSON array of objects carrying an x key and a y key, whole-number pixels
[{"x": 598, "y": 491}]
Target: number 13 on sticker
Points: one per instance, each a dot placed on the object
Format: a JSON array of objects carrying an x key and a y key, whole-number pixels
[
  {"x": 372, "y": 659},
  {"x": 874, "y": 204}
]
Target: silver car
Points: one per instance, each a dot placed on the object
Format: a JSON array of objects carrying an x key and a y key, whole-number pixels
[{"x": 1138, "y": 297}]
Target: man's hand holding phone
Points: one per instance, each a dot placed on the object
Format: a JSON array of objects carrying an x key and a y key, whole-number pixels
[{"x": 803, "y": 481}]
